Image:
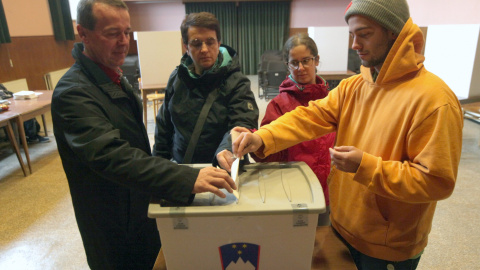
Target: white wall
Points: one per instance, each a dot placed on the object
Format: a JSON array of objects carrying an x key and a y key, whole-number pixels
[
  {"x": 158, "y": 58},
  {"x": 427, "y": 12},
  {"x": 333, "y": 55},
  {"x": 156, "y": 16},
  {"x": 455, "y": 59},
  {"x": 307, "y": 13},
  {"x": 28, "y": 17},
  {"x": 32, "y": 17}
]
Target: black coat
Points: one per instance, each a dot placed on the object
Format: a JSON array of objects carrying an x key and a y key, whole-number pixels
[
  {"x": 106, "y": 156},
  {"x": 184, "y": 99}
]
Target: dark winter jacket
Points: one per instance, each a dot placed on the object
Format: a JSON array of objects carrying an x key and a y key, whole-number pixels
[
  {"x": 315, "y": 152},
  {"x": 106, "y": 156},
  {"x": 184, "y": 98}
]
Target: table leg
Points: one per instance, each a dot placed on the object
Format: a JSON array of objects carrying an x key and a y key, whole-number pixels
[
  {"x": 44, "y": 125},
  {"x": 21, "y": 134},
  {"x": 160, "y": 263},
  {"x": 13, "y": 142},
  {"x": 144, "y": 101}
]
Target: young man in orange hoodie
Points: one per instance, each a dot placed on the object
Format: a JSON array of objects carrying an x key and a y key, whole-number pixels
[{"x": 398, "y": 145}]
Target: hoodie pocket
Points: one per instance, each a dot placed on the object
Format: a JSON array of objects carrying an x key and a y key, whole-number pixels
[{"x": 356, "y": 209}]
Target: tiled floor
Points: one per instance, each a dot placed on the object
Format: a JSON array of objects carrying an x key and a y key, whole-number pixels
[{"x": 38, "y": 228}]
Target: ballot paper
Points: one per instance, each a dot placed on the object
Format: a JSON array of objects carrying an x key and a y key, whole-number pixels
[
  {"x": 235, "y": 166},
  {"x": 236, "y": 179}
]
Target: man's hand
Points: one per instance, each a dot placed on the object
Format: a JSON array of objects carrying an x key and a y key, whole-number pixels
[
  {"x": 211, "y": 179},
  {"x": 225, "y": 160},
  {"x": 246, "y": 142},
  {"x": 346, "y": 158}
]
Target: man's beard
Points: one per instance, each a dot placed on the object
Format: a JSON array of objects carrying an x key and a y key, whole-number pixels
[{"x": 378, "y": 60}]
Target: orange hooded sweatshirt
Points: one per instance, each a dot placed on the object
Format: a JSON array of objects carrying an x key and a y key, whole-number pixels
[{"x": 409, "y": 125}]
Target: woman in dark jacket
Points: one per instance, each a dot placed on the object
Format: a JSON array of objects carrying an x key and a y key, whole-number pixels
[{"x": 188, "y": 89}]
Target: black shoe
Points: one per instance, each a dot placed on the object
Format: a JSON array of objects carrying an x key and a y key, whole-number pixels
[
  {"x": 31, "y": 140},
  {"x": 43, "y": 139},
  {"x": 37, "y": 139}
]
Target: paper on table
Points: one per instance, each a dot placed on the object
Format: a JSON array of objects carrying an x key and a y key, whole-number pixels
[
  {"x": 24, "y": 95},
  {"x": 236, "y": 179}
]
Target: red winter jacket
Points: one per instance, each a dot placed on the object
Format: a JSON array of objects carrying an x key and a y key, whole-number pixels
[{"x": 315, "y": 152}]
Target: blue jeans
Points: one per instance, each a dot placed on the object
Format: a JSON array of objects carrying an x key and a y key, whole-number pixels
[{"x": 365, "y": 262}]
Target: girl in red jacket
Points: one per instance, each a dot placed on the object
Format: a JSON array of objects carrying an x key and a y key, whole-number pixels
[{"x": 302, "y": 85}]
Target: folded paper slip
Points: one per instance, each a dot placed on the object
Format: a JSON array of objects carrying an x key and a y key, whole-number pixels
[
  {"x": 235, "y": 168},
  {"x": 24, "y": 95}
]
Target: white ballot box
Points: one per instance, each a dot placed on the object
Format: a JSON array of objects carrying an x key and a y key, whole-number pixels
[{"x": 271, "y": 226}]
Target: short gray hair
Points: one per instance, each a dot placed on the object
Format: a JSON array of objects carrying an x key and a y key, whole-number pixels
[{"x": 85, "y": 16}]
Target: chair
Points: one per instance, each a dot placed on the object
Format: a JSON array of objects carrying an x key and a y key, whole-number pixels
[
  {"x": 16, "y": 85},
  {"x": 267, "y": 56},
  {"x": 52, "y": 78},
  {"x": 131, "y": 71},
  {"x": 275, "y": 74},
  {"x": 157, "y": 101},
  {"x": 262, "y": 71}
]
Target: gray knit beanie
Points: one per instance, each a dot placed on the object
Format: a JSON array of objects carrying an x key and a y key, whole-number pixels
[{"x": 391, "y": 14}]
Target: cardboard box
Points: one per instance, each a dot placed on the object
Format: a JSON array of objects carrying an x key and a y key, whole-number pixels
[{"x": 271, "y": 226}]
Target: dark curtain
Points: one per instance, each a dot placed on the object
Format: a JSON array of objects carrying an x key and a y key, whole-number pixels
[
  {"x": 250, "y": 28},
  {"x": 226, "y": 13},
  {"x": 4, "y": 33},
  {"x": 61, "y": 19},
  {"x": 262, "y": 26}
]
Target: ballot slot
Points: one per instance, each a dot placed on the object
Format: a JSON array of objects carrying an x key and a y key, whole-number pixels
[
  {"x": 286, "y": 187},
  {"x": 269, "y": 186}
]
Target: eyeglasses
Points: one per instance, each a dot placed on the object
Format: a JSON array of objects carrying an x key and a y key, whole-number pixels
[
  {"x": 306, "y": 62},
  {"x": 197, "y": 43}
]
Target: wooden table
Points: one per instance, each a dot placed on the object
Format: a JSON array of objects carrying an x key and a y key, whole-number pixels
[
  {"x": 329, "y": 253},
  {"x": 26, "y": 109},
  {"x": 5, "y": 118},
  {"x": 336, "y": 75},
  {"x": 146, "y": 90},
  {"x": 472, "y": 111}
]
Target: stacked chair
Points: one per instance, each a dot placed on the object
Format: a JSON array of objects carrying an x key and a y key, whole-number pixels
[
  {"x": 272, "y": 71},
  {"x": 131, "y": 71}
]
